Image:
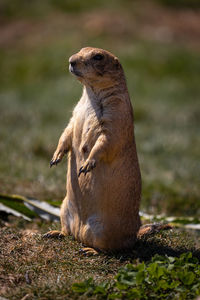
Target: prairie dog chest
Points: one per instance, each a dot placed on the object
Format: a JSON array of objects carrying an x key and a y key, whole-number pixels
[{"x": 87, "y": 115}]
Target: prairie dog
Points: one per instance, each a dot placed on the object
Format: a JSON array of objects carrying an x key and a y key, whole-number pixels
[{"x": 101, "y": 207}]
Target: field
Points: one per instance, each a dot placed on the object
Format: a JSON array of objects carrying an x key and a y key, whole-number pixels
[{"x": 158, "y": 46}]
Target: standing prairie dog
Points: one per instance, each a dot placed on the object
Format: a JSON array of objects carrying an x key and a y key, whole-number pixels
[{"x": 101, "y": 208}]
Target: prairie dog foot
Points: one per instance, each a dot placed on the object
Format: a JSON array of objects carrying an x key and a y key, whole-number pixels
[
  {"x": 54, "y": 234},
  {"x": 87, "y": 167},
  {"x": 87, "y": 251},
  {"x": 149, "y": 229},
  {"x": 57, "y": 157}
]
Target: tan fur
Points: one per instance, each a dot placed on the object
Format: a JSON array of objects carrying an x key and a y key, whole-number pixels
[{"x": 101, "y": 208}]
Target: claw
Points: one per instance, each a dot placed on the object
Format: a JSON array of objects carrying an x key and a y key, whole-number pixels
[
  {"x": 88, "y": 251},
  {"x": 53, "y": 234},
  {"x": 57, "y": 161},
  {"x": 54, "y": 162},
  {"x": 46, "y": 235},
  {"x": 87, "y": 168},
  {"x": 84, "y": 170},
  {"x": 80, "y": 171}
]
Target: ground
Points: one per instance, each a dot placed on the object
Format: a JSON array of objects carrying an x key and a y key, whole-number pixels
[
  {"x": 38, "y": 268},
  {"x": 158, "y": 46}
]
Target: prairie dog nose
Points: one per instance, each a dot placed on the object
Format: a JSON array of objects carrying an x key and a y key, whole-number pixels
[
  {"x": 72, "y": 63},
  {"x": 73, "y": 60}
]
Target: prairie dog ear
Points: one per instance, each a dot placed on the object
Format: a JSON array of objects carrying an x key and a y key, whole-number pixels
[{"x": 117, "y": 63}]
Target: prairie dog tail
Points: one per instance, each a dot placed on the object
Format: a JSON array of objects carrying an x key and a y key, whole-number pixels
[{"x": 149, "y": 229}]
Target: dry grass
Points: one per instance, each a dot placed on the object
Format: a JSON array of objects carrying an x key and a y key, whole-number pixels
[
  {"x": 161, "y": 60},
  {"x": 160, "y": 56},
  {"x": 36, "y": 268}
]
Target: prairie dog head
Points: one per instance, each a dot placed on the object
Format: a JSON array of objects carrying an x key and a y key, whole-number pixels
[{"x": 96, "y": 67}]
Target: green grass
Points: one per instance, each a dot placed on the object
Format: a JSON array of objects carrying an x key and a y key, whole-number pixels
[
  {"x": 37, "y": 96},
  {"x": 18, "y": 206},
  {"x": 161, "y": 278}
]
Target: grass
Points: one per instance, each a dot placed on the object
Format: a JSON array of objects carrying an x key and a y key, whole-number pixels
[
  {"x": 162, "y": 278},
  {"x": 37, "y": 96},
  {"x": 37, "y": 103},
  {"x": 46, "y": 269}
]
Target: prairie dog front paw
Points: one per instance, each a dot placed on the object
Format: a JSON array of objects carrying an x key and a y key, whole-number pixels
[
  {"x": 87, "y": 167},
  {"x": 57, "y": 157}
]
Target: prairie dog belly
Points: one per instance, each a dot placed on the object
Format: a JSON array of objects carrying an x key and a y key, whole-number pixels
[
  {"x": 106, "y": 215},
  {"x": 86, "y": 129}
]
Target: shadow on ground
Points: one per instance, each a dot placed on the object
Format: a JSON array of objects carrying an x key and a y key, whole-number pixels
[{"x": 172, "y": 243}]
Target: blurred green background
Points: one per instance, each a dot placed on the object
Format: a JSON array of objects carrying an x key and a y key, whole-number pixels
[{"x": 158, "y": 44}]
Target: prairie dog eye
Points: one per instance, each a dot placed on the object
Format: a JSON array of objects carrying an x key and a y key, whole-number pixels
[{"x": 98, "y": 57}]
